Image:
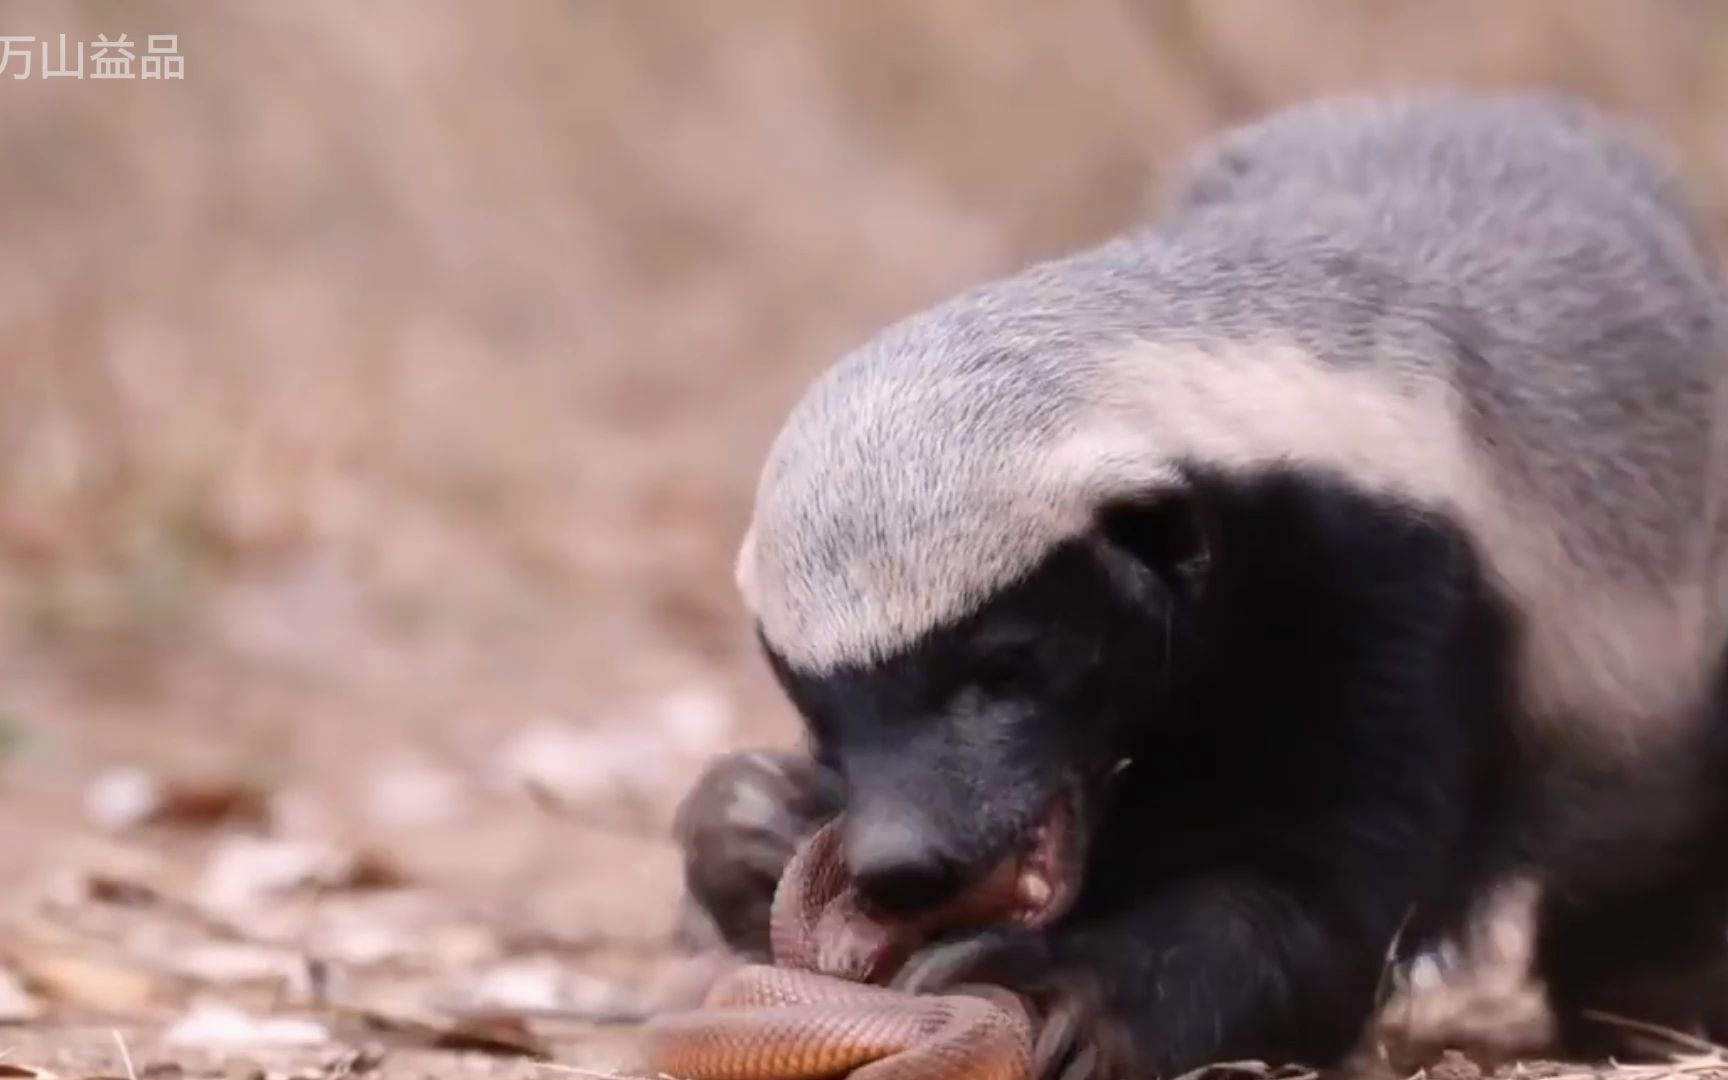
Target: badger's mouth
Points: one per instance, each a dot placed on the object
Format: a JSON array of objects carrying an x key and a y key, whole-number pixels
[
  {"x": 1037, "y": 881},
  {"x": 1032, "y": 886}
]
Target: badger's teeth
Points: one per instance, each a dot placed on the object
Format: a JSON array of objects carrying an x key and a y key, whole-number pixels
[{"x": 1033, "y": 889}]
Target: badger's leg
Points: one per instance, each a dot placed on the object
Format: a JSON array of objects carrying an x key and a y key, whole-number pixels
[
  {"x": 1220, "y": 969},
  {"x": 738, "y": 826},
  {"x": 1640, "y": 931},
  {"x": 1652, "y": 955}
]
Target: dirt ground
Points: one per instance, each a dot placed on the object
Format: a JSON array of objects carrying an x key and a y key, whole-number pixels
[
  {"x": 379, "y": 411},
  {"x": 385, "y": 889}
]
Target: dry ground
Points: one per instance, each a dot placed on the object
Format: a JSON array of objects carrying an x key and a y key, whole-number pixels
[{"x": 379, "y": 407}]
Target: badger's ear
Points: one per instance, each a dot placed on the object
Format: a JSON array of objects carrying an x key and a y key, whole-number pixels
[{"x": 1170, "y": 534}]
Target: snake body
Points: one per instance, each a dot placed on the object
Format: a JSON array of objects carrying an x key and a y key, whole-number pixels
[{"x": 814, "y": 1013}]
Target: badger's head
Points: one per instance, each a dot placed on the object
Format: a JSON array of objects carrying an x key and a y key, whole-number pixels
[{"x": 971, "y": 585}]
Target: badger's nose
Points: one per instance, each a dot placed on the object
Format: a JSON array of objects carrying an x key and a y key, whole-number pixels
[{"x": 899, "y": 862}]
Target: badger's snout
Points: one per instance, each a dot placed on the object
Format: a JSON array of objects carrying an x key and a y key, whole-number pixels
[{"x": 900, "y": 861}]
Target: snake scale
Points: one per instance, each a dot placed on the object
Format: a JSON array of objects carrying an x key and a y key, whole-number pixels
[{"x": 817, "y": 1011}]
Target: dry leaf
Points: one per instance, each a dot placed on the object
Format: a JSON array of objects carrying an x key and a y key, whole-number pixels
[
  {"x": 543, "y": 985},
  {"x": 624, "y": 753},
  {"x": 126, "y": 798},
  {"x": 17, "y": 1004},
  {"x": 122, "y": 798},
  {"x": 361, "y": 937},
  {"x": 106, "y": 888},
  {"x": 696, "y": 720},
  {"x": 72, "y": 974},
  {"x": 563, "y": 763},
  {"x": 409, "y": 794},
  {"x": 495, "y": 1032},
  {"x": 214, "y": 1025},
  {"x": 247, "y": 871},
  {"x": 229, "y": 962}
]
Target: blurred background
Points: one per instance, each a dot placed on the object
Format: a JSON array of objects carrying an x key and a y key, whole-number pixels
[{"x": 380, "y": 403}]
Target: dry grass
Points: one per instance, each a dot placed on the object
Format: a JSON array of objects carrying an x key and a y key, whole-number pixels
[{"x": 404, "y": 326}]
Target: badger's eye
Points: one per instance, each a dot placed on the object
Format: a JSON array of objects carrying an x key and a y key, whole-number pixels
[{"x": 1004, "y": 669}]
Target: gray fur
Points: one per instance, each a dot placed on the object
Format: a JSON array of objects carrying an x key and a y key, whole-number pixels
[{"x": 1500, "y": 308}]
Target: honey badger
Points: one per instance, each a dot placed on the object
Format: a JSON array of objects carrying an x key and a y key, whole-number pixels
[{"x": 1266, "y": 584}]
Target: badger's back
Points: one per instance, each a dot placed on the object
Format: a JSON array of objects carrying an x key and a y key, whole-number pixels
[
  {"x": 1496, "y": 308},
  {"x": 1572, "y": 297}
]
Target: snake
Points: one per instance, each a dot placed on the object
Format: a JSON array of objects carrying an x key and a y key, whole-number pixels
[{"x": 818, "y": 1010}]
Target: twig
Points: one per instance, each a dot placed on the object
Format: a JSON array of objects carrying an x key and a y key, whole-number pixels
[
  {"x": 125, "y": 1054},
  {"x": 1691, "y": 1042},
  {"x": 1644, "y": 1072}
]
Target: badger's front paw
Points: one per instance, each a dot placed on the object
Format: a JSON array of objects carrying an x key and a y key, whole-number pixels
[
  {"x": 738, "y": 826},
  {"x": 1077, "y": 1038}
]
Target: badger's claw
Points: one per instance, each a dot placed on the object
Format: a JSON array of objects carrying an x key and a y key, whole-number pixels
[{"x": 1075, "y": 1038}]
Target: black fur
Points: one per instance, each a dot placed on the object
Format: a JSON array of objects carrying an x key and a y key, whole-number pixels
[
  {"x": 1635, "y": 921},
  {"x": 1312, "y": 687}
]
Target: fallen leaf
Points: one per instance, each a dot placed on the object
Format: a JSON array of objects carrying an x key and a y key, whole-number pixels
[
  {"x": 127, "y": 797},
  {"x": 353, "y": 1063},
  {"x": 499, "y": 1032},
  {"x": 556, "y": 761},
  {"x": 246, "y": 871},
  {"x": 543, "y": 985},
  {"x": 122, "y": 798},
  {"x": 695, "y": 720},
  {"x": 228, "y": 962},
  {"x": 105, "y": 888},
  {"x": 360, "y": 937},
  {"x": 17, "y": 1004},
  {"x": 70, "y": 973},
  {"x": 215, "y": 1025},
  {"x": 410, "y": 794}
]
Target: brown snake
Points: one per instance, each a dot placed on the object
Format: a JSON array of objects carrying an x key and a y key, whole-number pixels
[{"x": 814, "y": 1014}]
